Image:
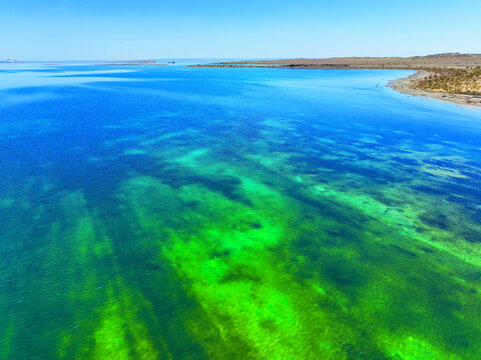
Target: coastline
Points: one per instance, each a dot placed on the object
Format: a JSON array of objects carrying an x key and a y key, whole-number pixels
[
  {"x": 450, "y": 77},
  {"x": 407, "y": 85}
]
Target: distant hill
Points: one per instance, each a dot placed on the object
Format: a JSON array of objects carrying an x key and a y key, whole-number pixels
[{"x": 451, "y": 60}]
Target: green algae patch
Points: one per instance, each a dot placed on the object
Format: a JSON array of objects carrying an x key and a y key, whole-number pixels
[
  {"x": 411, "y": 348},
  {"x": 230, "y": 261},
  {"x": 226, "y": 260},
  {"x": 121, "y": 335},
  {"x": 6, "y": 346}
]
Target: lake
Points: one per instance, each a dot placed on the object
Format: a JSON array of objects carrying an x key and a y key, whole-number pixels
[{"x": 168, "y": 212}]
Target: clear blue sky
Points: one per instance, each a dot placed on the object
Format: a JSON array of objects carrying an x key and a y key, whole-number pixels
[{"x": 140, "y": 29}]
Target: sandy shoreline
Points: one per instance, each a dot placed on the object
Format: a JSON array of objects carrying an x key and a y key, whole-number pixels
[{"x": 407, "y": 86}]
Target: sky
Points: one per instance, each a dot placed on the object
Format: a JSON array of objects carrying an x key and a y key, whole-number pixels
[{"x": 157, "y": 29}]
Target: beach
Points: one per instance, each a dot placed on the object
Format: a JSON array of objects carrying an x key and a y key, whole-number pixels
[{"x": 407, "y": 85}]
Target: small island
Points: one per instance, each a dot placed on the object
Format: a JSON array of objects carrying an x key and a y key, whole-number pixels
[
  {"x": 10, "y": 61},
  {"x": 133, "y": 62}
]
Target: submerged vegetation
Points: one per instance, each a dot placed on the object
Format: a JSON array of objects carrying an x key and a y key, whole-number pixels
[{"x": 266, "y": 224}]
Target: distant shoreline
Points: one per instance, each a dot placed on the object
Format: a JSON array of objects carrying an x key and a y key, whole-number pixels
[{"x": 451, "y": 78}]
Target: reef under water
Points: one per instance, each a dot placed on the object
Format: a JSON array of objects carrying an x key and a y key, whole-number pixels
[{"x": 203, "y": 213}]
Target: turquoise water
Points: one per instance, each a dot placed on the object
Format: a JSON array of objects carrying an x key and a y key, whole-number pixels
[{"x": 194, "y": 213}]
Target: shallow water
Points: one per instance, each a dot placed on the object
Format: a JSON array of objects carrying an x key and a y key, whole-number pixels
[{"x": 193, "y": 213}]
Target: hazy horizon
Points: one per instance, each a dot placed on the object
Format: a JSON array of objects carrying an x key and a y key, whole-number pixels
[
  {"x": 68, "y": 30},
  {"x": 201, "y": 59}
]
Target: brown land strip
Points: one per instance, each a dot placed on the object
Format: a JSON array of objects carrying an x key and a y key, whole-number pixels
[{"x": 453, "y": 78}]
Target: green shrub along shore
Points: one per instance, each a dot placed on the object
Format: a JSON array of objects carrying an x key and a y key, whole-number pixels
[{"x": 454, "y": 81}]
